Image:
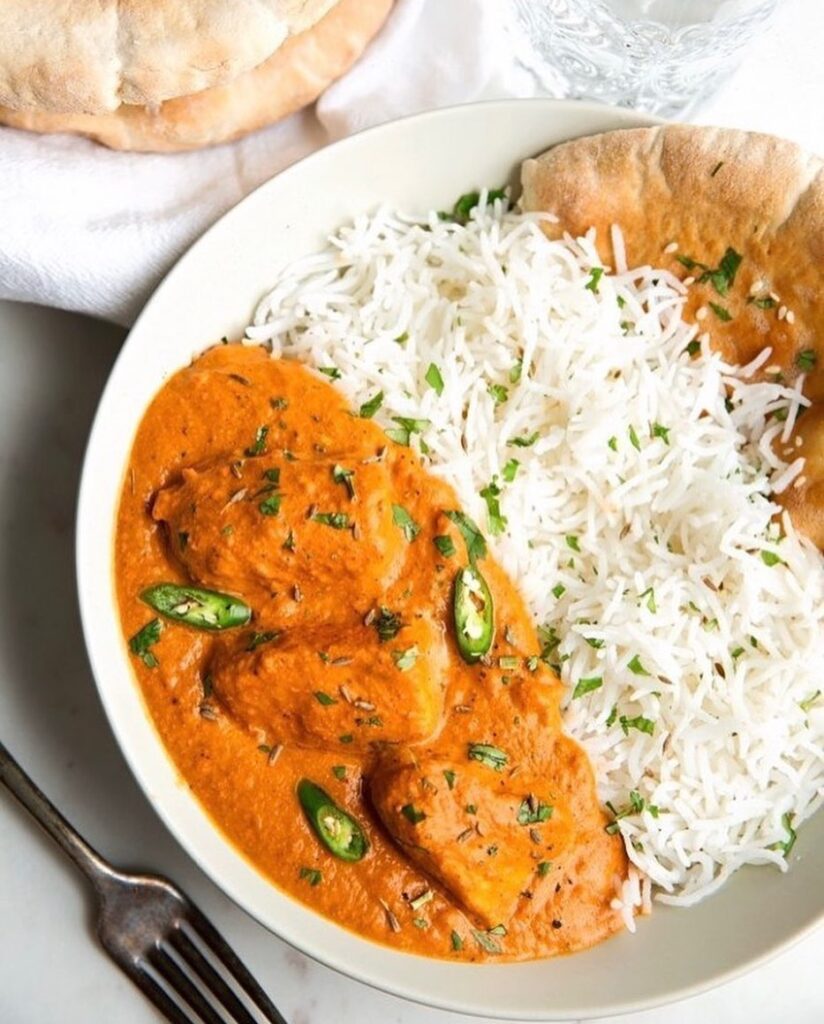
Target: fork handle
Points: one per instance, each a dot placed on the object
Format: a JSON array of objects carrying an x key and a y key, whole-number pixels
[{"x": 52, "y": 821}]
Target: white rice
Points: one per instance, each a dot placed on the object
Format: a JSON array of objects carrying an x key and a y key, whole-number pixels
[{"x": 669, "y": 525}]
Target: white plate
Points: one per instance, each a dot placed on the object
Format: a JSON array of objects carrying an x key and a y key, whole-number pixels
[{"x": 418, "y": 163}]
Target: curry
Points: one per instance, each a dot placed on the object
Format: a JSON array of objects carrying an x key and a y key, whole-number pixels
[{"x": 344, "y": 676}]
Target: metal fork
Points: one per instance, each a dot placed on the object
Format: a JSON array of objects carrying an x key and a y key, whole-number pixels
[{"x": 152, "y": 931}]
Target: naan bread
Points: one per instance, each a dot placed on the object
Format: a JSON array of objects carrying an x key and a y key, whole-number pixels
[
  {"x": 700, "y": 192},
  {"x": 89, "y": 56},
  {"x": 294, "y": 76}
]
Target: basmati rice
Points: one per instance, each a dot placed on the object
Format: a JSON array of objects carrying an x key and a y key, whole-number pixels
[{"x": 635, "y": 479}]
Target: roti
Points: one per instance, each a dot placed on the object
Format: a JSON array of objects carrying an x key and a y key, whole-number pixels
[{"x": 739, "y": 217}]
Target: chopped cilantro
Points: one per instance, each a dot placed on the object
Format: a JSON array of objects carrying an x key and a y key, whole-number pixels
[
  {"x": 532, "y": 812},
  {"x": 549, "y": 641},
  {"x": 595, "y": 276},
  {"x": 444, "y": 543},
  {"x": 387, "y": 623},
  {"x": 434, "y": 379},
  {"x": 401, "y": 518},
  {"x": 412, "y": 814},
  {"x": 407, "y": 426},
  {"x": 721, "y": 312},
  {"x": 635, "y": 806},
  {"x": 473, "y": 538},
  {"x": 466, "y": 203},
  {"x": 498, "y": 392},
  {"x": 144, "y": 639},
  {"x": 258, "y": 639},
  {"x": 787, "y": 844},
  {"x": 344, "y": 476},
  {"x": 723, "y": 278},
  {"x": 690, "y": 263},
  {"x": 337, "y": 520},
  {"x": 524, "y": 441},
  {"x": 584, "y": 686},
  {"x": 270, "y": 506},
  {"x": 258, "y": 446},
  {"x": 510, "y": 470},
  {"x": 491, "y": 493},
  {"x": 639, "y": 722},
  {"x": 369, "y": 408}
]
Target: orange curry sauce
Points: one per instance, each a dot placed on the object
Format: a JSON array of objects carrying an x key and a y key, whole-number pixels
[{"x": 358, "y": 683}]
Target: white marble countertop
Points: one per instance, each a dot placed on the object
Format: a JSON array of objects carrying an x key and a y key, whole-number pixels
[{"x": 52, "y": 369}]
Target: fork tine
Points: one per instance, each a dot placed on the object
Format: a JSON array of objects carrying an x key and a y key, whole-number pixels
[
  {"x": 180, "y": 983},
  {"x": 184, "y": 946},
  {"x": 167, "y": 1006},
  {"x": 230, "y": 960}
]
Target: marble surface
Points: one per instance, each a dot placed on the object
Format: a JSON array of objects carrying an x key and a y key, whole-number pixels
[{"x": 52, "y": 368}]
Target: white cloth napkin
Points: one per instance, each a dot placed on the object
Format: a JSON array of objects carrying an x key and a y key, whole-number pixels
[
  {"x": 85, "y": 228},
  {"x": 89, "y": 229}
]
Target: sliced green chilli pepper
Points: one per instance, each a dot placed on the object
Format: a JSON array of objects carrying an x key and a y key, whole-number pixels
[
  {"x": 338, "y": 832},
  {"x": 474, "y": 614},
  {"x": 203, "y": 609}
]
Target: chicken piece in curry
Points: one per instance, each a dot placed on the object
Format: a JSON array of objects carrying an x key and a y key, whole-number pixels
[{"x": 346, "y": 679}]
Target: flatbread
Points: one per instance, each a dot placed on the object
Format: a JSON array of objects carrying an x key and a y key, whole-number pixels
[
  {"x": 89, "y": 56},
  {"x": 699, "y": 192},
  {"x": 290, "y": 79}
]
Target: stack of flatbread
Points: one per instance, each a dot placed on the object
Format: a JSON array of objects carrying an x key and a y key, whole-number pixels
[
  {"x": 739, "y": 217},
  {"x": 173, "y": 74}
]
